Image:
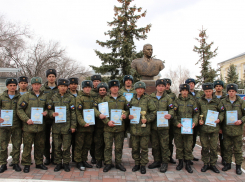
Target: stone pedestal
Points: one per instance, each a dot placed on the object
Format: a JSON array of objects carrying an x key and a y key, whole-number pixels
[{"x": 150, "y": 86}]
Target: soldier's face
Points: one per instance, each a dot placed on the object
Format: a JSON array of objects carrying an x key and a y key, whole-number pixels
[
  {"x": 62, "y": 89},
  {"x": 167, "y": 86},
  {"x": 218, "y": 88},
  {"x": 161, "y": 88},
  {"x": 36, "y": 87},
  {"x": 184, "y": 93},
  {"x": 140, "y": 91},
  {"x": 51, "y": 78},
  {"x": 11, "y": 87},
  {"x": 114, "y": 89},
  {"x": 232, "y": 93},
  {"x": 208, "y": 93},
  {"x": 87, "y": 90},
  {"x": 192, "y": 85},
  {"x": 148, "y": 51},
  {"x": 23, "y": 85},
  {"x": 73, "y": 86},
  {"x": 102, "y": 91},
  {"x": 128, "y": 83},
  {"x": 96, "y": 83}
]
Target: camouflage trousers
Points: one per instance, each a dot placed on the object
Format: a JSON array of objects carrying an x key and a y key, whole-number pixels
[
  {"x": 233, "y": 144},
  {"x": 140, "y": 143},
  {"x": 118, "y": 138},
  {"x": 160, "y": 145},
  {"x": 183, "y": 146},
  {"x": 171, "y": 138},
  {"x": 209, "y": 147},
  {"x": 99, "y": 143},
  {"x": 48, "y": 127},
  {"x": 83, "y": 142},
  {"x": 39, "y": 141},
  {"x": 62, "y": 141},
  {"x": 16, "y": 138},
  {"x": 221, "y": 141},
  {"x": 92, "y": 148}
]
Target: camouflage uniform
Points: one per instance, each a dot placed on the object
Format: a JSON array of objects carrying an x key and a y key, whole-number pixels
[
  {"x": 61, "y": 133},
  {"x": 233, "y": 133},
  {"x": 140, "y": 136},
  {"x": 116, "y": 132},
  {"x": 209, "y": 134},
  {"x": 184, "y": 108},
  {"x": 160, "y": 135},
  {"x": 33, "y": 133},
  {"x": 13, "y": 131}
]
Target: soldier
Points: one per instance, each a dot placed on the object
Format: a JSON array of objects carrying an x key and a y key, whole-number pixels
[
  {"x": 209, "y": 134},
  {"x": 8, "y": 101},
  {"x": 160, "y": 135},
  {"x": 84, "y": 133},
  {"x": 140, "y": 136},
  {"x": 114, "y": 132},
  {"x": 23, "y": 84},
  {"x": 33, "y": 132},
  {"x": 171, "y": 127},
  {"x": 99, "y": 128},
  {"x": 49, "y": 88},
  {"x": 233, "y": 133},
  {"x": 185, "y": 107},
  {"x": 196, "y": 95}
]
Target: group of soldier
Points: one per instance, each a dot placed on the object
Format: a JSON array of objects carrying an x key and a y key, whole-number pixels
[{"x": 98, "y": 138}]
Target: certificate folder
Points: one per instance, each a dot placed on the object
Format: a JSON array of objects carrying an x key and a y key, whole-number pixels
[
  {"x": 231, "y": 117},
  {"x": 62, "y": 114},
  {"x": 88, "y": 116},
  {"x": 161, "y": 121},
  {"x": 116, "y": 116},
  {"x": 186, "y": 127},
  {"x": 36, "y": 115},
  {"x": 7, "y": 116}
]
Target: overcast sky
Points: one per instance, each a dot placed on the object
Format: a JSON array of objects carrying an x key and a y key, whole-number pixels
[{"x": 77, "y": 24}]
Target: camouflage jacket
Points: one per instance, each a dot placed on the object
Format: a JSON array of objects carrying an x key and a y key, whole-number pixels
[
  {"x": 203, "y": 106},
  {"x": 123, "y": 89},
  {"x": 47, "y": 90},
  {"x": 11, "y": 104},
  {"x": 164, "y": 104},
  {"x": 239, "y": 106},
  {"x": 171, "y": 94},
  {"x": 78, "y": 92},
  {"x": 196, "y": 96},
  {"x": 98, "y": 122},
  {"x": 67, "y": 100},
  {"x": 185, "y": 108},
  {"x": 222, "y": 97},
  {"x": 85, "y": 101},
  {"x": 25, "y": 103},
  {"x": 94, "y": 92},
  {"x": 148, "y": 105},
  {"x": 119, "y": 103}
]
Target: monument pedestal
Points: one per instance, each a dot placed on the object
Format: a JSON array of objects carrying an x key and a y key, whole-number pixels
[{"x": 150, "y": 86}]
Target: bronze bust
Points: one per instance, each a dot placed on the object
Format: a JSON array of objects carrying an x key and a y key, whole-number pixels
[{"x": 147, "y": 67}]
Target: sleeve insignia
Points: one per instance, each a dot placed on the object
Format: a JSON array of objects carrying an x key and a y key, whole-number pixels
[
  {"x": 95, "y": 104},
  {"x": 175, "y": 108},
  {"x": 79, "y": 107},
  {"x": 23, "y": 104},
  {"x": 128, "y": 105},
  {"x": 49, "y": 106},
  {"x": 72, "y": 107},
  {"x": 196, "y": 109},
  {"x": 171, "y": 106},
  {"x": 222, "y": 108}
]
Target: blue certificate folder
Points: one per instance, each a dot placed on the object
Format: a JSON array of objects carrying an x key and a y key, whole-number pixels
[
  {"x": 88, "y": 116},
  {"x": 104, "y": 109},
  {"x": 186, "y": 127},
  {"x": 36, "y": 115},
  {"x": 135, "y": 111},
  {"x": 116, "y": 116},
  {"x": 231, "y": 117},
  {"x": 62, "y": 114},
  {"x": 161, "y": 121},
  {"x": 128, "y": 96},
  {"x": 7, "y": 116},
  {"x": 212, "y": 116}
]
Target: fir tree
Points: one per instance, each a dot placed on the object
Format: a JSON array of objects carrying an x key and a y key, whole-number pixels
[
  {"x": 232, "y": 76},
  {"x": 207, "y": 72},
  {"x": 121, "y": 43}
]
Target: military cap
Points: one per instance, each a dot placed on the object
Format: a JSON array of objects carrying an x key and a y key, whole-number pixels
[
  {"x": 168, "y": 81},
  {"x": 128, "y": 77},
  {"x": 161, "y": 81},
  {"x": 23, "y": 79},
  {"x": 232, "y": 86},
  {"x": 10, "y": 80},
  {"x": 87, "y": 83},
  {"x": 96, "y": 77},
  {"x": 63, "y": 81},
  {"x": 36, "y": 80},
  {"x": 218, "y": 82},
  {"x": 73, "y": 80},
  {"x": 184, "y": 87},
  {"x": 51, "y": 71},
  {"x": 102, "y": 85},
  {"x": 189, "y": 80},
  {"x": 139, "y": 85},
  {"x": 113, "y": 83},
  {"x": 207, "y": 86}
]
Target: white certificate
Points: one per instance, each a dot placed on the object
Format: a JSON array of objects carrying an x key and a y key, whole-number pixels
[
  {"x": 161, "y": 121},
  {"x": 7, "y": 116},
  {"x": 88, "y": 116},
  {"x": 36, "y": 115},
  {"x": 62, "y": 114},
  {"x": 128, "y": 96},
  {"x": 135, "y": 111},
  {"x": 212, "y": 116},
  {"x": 231, "y": 117},
  {"x": 104, "y": 109},
  {"x": 116, "y": 116}
]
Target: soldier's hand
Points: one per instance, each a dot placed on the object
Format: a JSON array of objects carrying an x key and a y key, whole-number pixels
[
  {"x": 130, "y": 117},
  {"x": 44, "y": 113},
  {"x": 111, "y": 123},
  {"x": 29, "y": 121},
  {"x": 179, "y": 125},
  {"x": 167, "y": 116},
  {"x": 73, "y": 130},
  {"x": 1, "y": 120},
  {"x": 238, "y": 122},
  {"x": 200, "y": 122},
  {"x": 220, "y": 132},
  {"x": 123, "y": 116},
  {"x": 102, "y": 116},
  {"x": 217, "y": 121},
  {"x": 143, "y": 121},
  {"x": 55, "y": 114},
  {"x": 86, "y": 125},
  {"x": 193, "y": 125}
]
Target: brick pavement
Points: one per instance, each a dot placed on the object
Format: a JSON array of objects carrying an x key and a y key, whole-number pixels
[{"x": 114, "y": 175}]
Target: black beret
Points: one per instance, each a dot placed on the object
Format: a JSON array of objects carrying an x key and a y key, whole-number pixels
[
  {"x": 161, "y": 81},
  {"x": 218, "y": 82},
  {"x": 189, "y": 80},
  {"x": 102, "y": 85},
  {"x": 232, "y": 86},
  {"x": 96, "y": 77},
  {"x": 87, "y": 83},
  {"x": 168, "y": 80},
  {"x": 63, "y": 81},
  {"x": 113, "y": 83},
  {"x": 184, "y": 86},
  {"x": 10, "y": 80},
  {"x": 128, "y": 77},
  {"x": 23, "y": 79},
  {"x": 51, "y": 71},
  {"x": 207, "y": 86},
  {"x": 73, "y": 80}
]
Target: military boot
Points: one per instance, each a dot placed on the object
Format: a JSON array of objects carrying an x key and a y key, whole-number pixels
[
  {"x": 99, "y": 164},
  {"x": 226, "y": 167},
  {"x": 171, "y": 160},
  {"x": 26, "y": 169},
  {"x": 142, "y": 169},
  {"x": 180, "y": 165},
  {"x": 80, "y": 166},
  {"x": 214, "y": 169},
  {"x": 205, "y": 168},
  {"x": 107, "y": 168},
  {"x": 66, "y": 167},
  {"x": 58, "y": 167},
  {"x": 93, "y": 160},
  {"x": 136, "y": 168},
  {"x": 188, "y": 167},
  {"x": 120, "y": 167},
  {"x": 85, "y": 164},
  {"x": 16, "y": 167},
  {"x": 164, "y": 167},
  {"x": 238, "y": 169},
  {"x": 154, "y": 165},
  {"x": 3, "y": 168}
]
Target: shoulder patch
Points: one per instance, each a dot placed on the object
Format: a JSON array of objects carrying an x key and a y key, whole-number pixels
[
  {"x": 95, "y": 104},
  {"x": 49, "y": 106},
  {"x": 72, "y": 107},
  {"x": 23, "y": 104},
  {"x": 222, "y": 108},
  {"x": 196, "y": 109},
  {"x": 79, "y": 107},
  {"x": 175, "y": 108},
  {"x": 171, "y": 106}
]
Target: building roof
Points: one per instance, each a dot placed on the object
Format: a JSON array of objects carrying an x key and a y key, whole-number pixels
[{"x": 239, "y": 55}]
